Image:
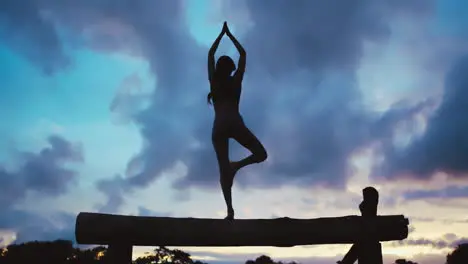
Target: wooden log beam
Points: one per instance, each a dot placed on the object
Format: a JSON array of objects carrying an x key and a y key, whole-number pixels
[{"x": 106, "y": 229}]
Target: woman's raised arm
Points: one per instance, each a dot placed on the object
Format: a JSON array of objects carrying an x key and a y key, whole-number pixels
[
  {"x": 242, "y": 55},
  {"x": 212, "y": 51}
]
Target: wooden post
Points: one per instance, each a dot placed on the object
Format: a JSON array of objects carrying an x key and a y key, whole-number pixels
[
  {"x": 119, "y": 254},
  {"x": 369, "y": 251},
  {"x": 366, "y": 251}
]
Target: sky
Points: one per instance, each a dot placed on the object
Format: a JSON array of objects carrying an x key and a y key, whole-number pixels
[{"x": 103, "y": 109}]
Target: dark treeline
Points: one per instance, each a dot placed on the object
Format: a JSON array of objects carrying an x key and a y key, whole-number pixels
[{"x": 62, "y": 251}]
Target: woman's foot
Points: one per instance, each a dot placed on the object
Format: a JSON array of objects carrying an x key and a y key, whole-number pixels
[{"x": 230, "y": 215}]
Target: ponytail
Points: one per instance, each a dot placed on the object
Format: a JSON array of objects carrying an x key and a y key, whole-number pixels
[{"x": 209, "y": 97}]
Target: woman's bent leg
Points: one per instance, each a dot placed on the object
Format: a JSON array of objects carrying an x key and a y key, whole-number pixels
[{"x": 249, "y": 141}]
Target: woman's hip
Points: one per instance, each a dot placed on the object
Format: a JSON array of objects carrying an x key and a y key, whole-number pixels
[{"x": 226, "y": 126}]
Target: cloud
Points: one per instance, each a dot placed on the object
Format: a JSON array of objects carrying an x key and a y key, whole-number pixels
[
  {"x": 449, "y": 192},
  {"x": 42, "y": 30},
  {"x": 32, "y": 226},
  {"x": 143, "y": 211},
  {"x": 300, "y": 88},
  {"x": 447, "y": 241},
  {"x": 29, "y": 31},
  {"x": 227, "y": 258},
  {"x": 113, "y": 189},
  {"x": 441, "y": 148},
  {"x": 318, "y": 35},
  {"x": 130, "y": 98},
  {"x": 323, "y": 120},
  {"x": 46, "y": 175},
  {"x": 155, "y": 30},
  {"x": 42, "y": 173},
  {"x": 301, "y": 95},
  {"x": 231, "y": 258}
]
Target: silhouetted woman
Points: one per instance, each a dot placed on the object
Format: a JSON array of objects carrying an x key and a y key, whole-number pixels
[{"x": 225, "y": 91}]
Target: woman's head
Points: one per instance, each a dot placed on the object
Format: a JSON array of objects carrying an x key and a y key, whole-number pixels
[{"x": 225, "y": 66}]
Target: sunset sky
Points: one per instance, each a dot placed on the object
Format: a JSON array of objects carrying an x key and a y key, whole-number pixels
[{"x": 103, "y": 109}]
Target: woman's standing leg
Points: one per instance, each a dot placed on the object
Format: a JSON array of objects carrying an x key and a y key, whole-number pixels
[{"x": 221, "y": 146}]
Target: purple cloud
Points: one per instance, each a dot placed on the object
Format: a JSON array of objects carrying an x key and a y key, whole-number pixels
[
  {"x": 450, "y": 241},
  {"x": 45, "y": 174},
  {"x": 443, "y": 146},
  {"x": 300, "y": 92}
]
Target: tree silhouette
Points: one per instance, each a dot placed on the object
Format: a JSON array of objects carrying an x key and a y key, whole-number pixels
[
  {"x": 89, "y": 256},
  {"x": 54, "y": 252},
  {"x": 62, "y": 251},
  {"x": 459, "y": 255},
  {"x": 59, "y": 251},
  {"x": 145, "y": 260},
  {"x": 404, "y": 261},
  {"x": 163, "y": 255},
  {"x": 263, "y": 259}
]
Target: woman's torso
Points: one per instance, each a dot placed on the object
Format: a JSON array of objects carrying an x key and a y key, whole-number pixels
[{"x": 226, "y": 97}]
